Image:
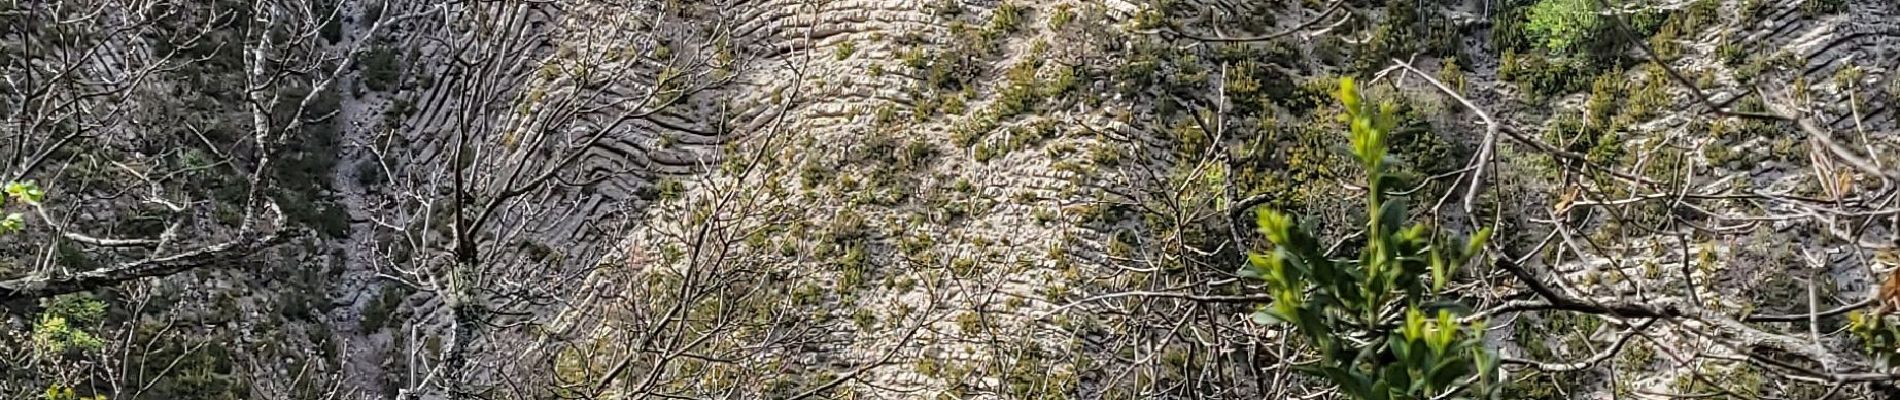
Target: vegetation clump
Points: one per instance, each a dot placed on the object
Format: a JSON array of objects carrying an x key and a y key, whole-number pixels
[{"x": 1381, "y": 324}]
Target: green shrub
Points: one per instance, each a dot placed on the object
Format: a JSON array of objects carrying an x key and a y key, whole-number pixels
[
  {"x": 915, "y": 58},
  {"x": 62, "y": 326},
  {"x": 369, "y": 174},
  {"x": 1061, "y": 82},
  {"x": 381, "y": 68},
  {"x": 1452, "y": 75},
  {"x": 1563, "y": 26},
  {"x": 671, "y": 189},
  {"x": 1020, "y": 93},
  {"x": 1547, "y": 76},
  {"x": 332, "y": 221},
  {"x": 1648, "y": 97},
  {"x": 1665, "y": 42},
  {"x": 1007, "y": 18},
  {"x": 1729, "y": 54},
  {"x": 1149, "y": 17},
  {"x": 1605, "y": 92},
  {"x": 952, "y": 104},
  {"x": 1407, "y": 30},
  {"x": 845, "y": 50},
  {"x": 983, "y": 153},
  {"x": 1358, "y": 313},
  {"x": 1507, "y": 30},
  {"x": 1699, "y": 14},
  {"x": 1063, "y": 15}
]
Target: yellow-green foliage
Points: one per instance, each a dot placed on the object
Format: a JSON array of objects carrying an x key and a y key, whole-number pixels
[
  {"x": 57, "y": 392},
  {"x": 845, "y": 50},
  {"x": 18, "y": 192},
  {"x": 1879, "y": 335},
  {"x": 63, "y": 325},
  {"x": 1063, "y": 15}
]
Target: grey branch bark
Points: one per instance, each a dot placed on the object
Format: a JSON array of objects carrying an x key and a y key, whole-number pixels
[{"x": 34, "y": 287}]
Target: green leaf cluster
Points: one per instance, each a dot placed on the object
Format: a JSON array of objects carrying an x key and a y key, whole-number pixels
[
  {"x": 54, "y": 335},
  {"x": 1879, "y": 336},
  {"x": 1381, "y": 323},
  {"x": 59, "y": 328},
  {"x": 23, "y": 192},
  {"x": 27, "y": 192}
]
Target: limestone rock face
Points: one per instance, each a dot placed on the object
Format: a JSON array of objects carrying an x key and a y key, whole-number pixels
[
  {"x": 930, "y": 271},
  {"x": 972, "y": 198},
  {"x": 919, "y": 199}
]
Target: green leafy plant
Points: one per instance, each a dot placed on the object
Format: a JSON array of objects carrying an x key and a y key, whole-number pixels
[
  {"x": 1878, "y": 336},
  {"x": 60, "y": 326},
  {"x": 26, "y": 192},
  {"x": 1381, "y": 323},
  {"x": 14, "y": 222},
  {"x": 54, "y": 335}
]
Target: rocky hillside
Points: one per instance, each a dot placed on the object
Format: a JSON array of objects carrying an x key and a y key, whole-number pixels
[{"x": 927, "y": 199}]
